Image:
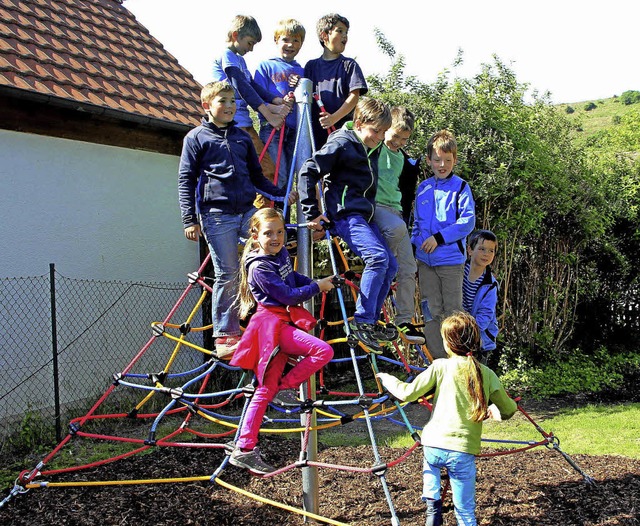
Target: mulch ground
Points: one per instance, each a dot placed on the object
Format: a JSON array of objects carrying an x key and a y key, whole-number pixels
[{"x": 537, "y": 487}]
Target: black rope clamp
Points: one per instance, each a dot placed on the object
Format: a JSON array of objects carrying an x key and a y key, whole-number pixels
[
  {"x": 157, "y": 329},
  {"x": 74, "y": 427},
  {"x": 553, "y": 442},
  {"x": 365, "y": 402},
  {"x": 307, "y": 406},
  {"x": 185, "y": 328},
  {"x": 416, "y": 437},
  {"x": 303, "y": 460},
  {"x": 151, "y": 441},
  {"x": 158, "y": 378},
  {"x": 116, "y": 378},
  {"x": 176, "y": 393},
  {"x": 346, "y": 419},
  {"x": 379, "y": 470},
  {"x": 193, "y": 277},
  {"x": 248, "y": 390}
]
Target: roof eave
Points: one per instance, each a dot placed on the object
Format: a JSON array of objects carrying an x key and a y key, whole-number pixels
[{"x": 60, "y": 102}]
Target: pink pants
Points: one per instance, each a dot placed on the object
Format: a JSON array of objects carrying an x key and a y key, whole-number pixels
[{"x": 293, "y": 342}]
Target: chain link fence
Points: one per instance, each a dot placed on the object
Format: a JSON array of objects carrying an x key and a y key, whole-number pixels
[{"x": 63, "y": 340}]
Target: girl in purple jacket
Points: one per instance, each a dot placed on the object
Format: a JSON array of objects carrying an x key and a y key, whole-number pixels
[{"x": 271, "y": 337}]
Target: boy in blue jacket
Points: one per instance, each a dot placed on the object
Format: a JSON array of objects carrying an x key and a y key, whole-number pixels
[
  {"x": 444, "y": 214},
  {"x": 348, "y": 167},
  {"x": 480, "y": 288},
  {"x": 219, "y": 175}
]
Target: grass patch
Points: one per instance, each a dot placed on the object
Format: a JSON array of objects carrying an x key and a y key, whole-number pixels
[
  {"x": 589, "y": 430},
  {"x": 603, "y": 116}
]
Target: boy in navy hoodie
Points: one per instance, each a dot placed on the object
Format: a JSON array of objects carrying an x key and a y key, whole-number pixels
[
  {"x": 218, "y": 177},
  {"x": 348, "y": 167}
]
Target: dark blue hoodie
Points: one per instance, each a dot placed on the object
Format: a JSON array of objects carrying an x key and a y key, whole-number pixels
[
  {"x": 219, "y": 172},
  {"x": 349, "y": 171}
]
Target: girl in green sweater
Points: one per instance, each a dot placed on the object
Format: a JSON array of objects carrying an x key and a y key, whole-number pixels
[{"x": 465, "y": 393}]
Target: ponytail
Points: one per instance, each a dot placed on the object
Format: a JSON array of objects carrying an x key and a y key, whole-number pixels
[{"x": 461, "y": 335}]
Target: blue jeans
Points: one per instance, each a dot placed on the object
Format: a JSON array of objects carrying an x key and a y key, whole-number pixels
[
  {"x": 380, "y": 265},
  {"x": 286, "y": 156},
  {"x": 223, "y": 232},
  {"x": 462, "y": 476}
]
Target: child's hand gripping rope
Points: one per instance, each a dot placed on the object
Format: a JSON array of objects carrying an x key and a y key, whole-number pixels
[{"x": 323, "y": 114}]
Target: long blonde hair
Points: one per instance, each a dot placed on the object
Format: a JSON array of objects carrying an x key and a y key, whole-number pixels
[
  {"x": 461, "y": 336},
  {"x": 245, "y": 299}
]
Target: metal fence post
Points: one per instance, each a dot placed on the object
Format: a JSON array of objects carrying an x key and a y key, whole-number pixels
[{"x": 54, "y": 351}]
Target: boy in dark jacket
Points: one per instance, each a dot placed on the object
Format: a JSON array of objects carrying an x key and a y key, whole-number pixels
[
  {"x": 219, "y": 175},
  {"x": 348, "y": 167}
]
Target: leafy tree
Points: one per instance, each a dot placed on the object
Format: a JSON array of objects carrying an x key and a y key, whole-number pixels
[{"x": 533, "y": 187}]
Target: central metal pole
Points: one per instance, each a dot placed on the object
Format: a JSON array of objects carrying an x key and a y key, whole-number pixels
[{"x": 304, "y": 99}]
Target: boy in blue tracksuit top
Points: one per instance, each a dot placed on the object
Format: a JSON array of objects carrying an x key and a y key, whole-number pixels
[
  {"x": 218, "y": 177},
  {"x": 348, "y": 167},
  {"x": 444, "y": 214},
  {"x": 480, "y": 288}
]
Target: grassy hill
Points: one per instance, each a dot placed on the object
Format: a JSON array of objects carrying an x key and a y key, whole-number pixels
[{"x": 603, "y": 114}]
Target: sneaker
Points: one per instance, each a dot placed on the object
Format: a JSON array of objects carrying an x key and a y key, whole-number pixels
[
  {"x": 250, "y": 460},
  {"x": 366, "y": 333},
  {"x": 386, "y": 332},
  {"x": 411, "y": 334},
  {"x": 287, "y": 398},
  {"x": 226, "y": 346}
]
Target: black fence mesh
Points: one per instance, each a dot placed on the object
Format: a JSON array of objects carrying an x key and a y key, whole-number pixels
[{"x": 100, "y": 329}]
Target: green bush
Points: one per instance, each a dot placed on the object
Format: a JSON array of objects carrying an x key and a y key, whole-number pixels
[
  {"x": 577, "y": 374},
  {"x": 569, "y": 110},
  {"x": 589, "y": 106},
  {"x": 630, "y": 97}
]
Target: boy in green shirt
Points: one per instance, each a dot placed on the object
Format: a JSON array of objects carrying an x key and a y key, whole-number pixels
[{"x": 396, "y": 169}]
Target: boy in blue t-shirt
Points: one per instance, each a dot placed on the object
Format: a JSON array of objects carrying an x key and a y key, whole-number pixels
[
  {"x": 243, "y": 35},
  {"x": 274, "y": 76},
  {"x": 337, "y": 80}
]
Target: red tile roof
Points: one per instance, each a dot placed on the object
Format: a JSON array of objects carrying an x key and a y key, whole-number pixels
[{"x": 96, "y": 55}]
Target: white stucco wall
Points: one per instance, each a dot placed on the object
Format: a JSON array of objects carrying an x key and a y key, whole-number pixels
[{"x": 97, "y": 212}]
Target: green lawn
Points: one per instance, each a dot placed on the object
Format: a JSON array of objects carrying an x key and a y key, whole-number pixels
[{"x": 589, "y": 430}]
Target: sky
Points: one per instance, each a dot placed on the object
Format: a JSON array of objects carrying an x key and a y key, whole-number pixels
[{"x": 575, "y": 50}]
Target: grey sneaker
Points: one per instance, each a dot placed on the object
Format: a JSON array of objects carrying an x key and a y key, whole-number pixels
[
  {"x": 410, "y": 333},
  {"x": 250, "y": 460},
  {"x": 287, "y": 398}
]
